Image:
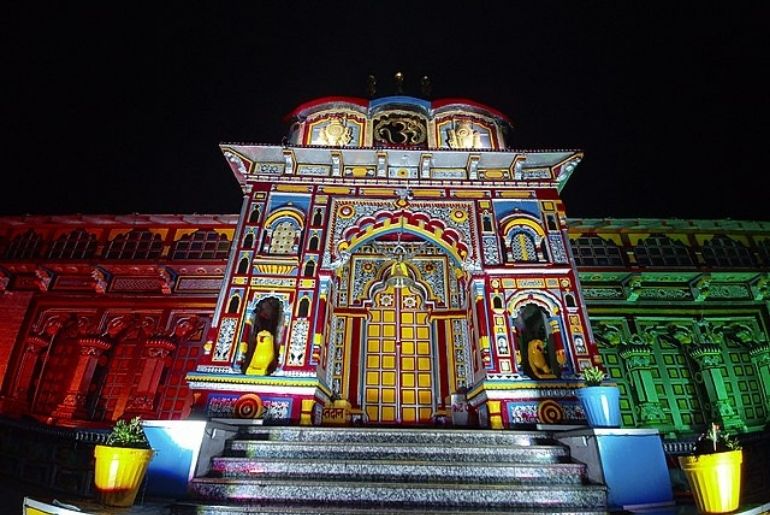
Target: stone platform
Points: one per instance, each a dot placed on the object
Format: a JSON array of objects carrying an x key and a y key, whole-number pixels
[{"x": 360, "y": 470}]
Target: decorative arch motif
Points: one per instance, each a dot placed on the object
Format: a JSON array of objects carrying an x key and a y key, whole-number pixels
[
  {"x": 523, "y": 239},
  {"x": 539, "y": 298},
  {"x": 284, "y": 231},
  {"x": 418, "y": 224}
]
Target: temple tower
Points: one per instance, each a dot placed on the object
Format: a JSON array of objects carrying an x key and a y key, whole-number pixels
[{"x": 395, "y": 255}]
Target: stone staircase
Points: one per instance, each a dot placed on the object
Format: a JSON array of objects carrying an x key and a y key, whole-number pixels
[{"x": 374, "y": 470}]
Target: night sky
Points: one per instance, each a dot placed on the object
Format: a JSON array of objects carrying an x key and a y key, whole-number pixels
[{"x": 120, "y": 109}]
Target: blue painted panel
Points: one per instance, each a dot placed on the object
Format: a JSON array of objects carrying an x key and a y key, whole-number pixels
[{"x": 635, "y": 469}]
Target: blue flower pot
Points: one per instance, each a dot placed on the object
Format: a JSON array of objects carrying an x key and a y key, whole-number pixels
[{"x": 601, "y": 405}]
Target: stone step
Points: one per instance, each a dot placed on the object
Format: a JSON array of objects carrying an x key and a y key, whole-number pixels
[
  {"x": 399, "y": 495},
  {"x": 400, "y": 471},
  {"x": 394, "y": 435},
  {"x": 193, "y": 508},
  {"x": 330, "y": 451}
]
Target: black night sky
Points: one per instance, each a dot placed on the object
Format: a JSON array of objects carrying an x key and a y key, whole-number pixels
[{"x": 119, "y": 109}]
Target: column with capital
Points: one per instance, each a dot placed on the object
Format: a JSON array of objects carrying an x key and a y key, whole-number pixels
[
  {"x": 760, "y": 357},
  {"x": 708, "y": 358},
  {"x": 154, "y": 354},
  {"x": 73, "y": 405},
  {"x": 638, "y": 359}
]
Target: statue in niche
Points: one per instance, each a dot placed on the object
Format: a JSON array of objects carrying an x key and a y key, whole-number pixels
[
  {"x": 541, "y": 361},
  {"x": 335, "y": 134},
  {"x": 262, "y": 355},
  {"x": 463, "y": 136},
  {"x": 538, "y": 360}
]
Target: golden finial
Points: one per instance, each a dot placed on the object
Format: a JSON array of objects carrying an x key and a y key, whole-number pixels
[{"x": 399, "y": 79}]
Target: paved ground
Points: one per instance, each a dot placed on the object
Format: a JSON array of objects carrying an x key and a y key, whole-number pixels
[{"x": 13, "y": 492}]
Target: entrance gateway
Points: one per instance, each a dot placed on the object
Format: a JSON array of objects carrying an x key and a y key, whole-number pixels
[{"x": 396, "y": 261}]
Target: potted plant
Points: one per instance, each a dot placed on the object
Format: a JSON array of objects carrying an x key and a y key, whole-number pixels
[
  {"x": 121, "y": 463},
  {"x": 601, "y": 404},
  {"x": 714, "y": 471}
]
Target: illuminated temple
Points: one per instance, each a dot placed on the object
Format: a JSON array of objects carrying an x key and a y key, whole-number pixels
[{"x": 394, "y": 264}]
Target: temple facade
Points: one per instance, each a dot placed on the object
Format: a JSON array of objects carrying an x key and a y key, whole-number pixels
[{"x": 394, "y": 263}]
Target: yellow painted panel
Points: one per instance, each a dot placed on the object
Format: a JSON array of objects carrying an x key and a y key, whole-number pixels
[
  {"x": 389, "y": 330},
  {"x": 425, "y": 396},
  {"x": 373, "y": 346},
  {"x": 407, "y": 363},
  {"x": 514, "y": 194},
  {"x": 423, "y": 364},
  {"x": 388, "y": 395},
  {"x": 373, "y": 362},
  {"x": 389, "y": 346},
  {"x": 423, "y": 333},
  {"x": 468, "y": 194},
  {"x": 388, "y": 414},
  {"x": 337, "y": 190},
  {"x": 421, "y": 318},
  {"x": 425, "y": 414},
  {"x": 389, "y": 362},
  {"x": 389, "y": 379},
  {"x": 375, "y": 316},
  {"x": 389, "y": 316},
  {"x": 407, "y": 348},
  {"x": 371, "y": 412},
  {"x": 409, "y": 414},
  {"x": 407, "y": 318},
  {"x": 372, "y": 395},
  {"x": 423, "y": 348},
  {"x": 423, "y": 380},
  {"x": 407, "y": 333},
  {"x": 407, "y": 396},
  {"x": 374, "y": 330},
  {"x": 372, "y": 378},
  {"x": 407, "y": 380},
  {"x": 293, "y": 188}
]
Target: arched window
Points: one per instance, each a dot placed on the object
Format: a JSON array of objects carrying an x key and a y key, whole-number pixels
[
  {"x": 314, "y": 242},
  {"x": 497, "y": 302},
  {"x": 523, "y": 248},
  {"x": 135, "y": 244},
  {"x": 318, "y": 217},
  {"x": 724, "y": 251},
  {"x": 285, "y": 237},
  {"x": 23, "y": 246},
  {"x": 309, "y": 269},
  {"x": 660, "y": 250},
  {"x": 486, "y": 223},
  {"x": 243, "y": 266},
  {"x": 234, "y": 304},
  {"x": 248, "y": 241},
  {"x": 201, "y": 245},
  {"x": 78, "y": 244},
  {"x": 596, "y": 251},
  {"x": 254, "y": 216},
  {"x": 569, "y": 299},
  {"x": 304, "y": 308}
]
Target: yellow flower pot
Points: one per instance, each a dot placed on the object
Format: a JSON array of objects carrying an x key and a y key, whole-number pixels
[
  {"x": 119, "y": 473},
  {"x": 715, "y": 480}
]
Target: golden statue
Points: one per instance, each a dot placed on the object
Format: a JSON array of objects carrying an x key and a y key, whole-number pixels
[
  {"x": 335, "y": 134},
  {"x": 264, "y": 354},
  {"x": 463, "y": 136},
  {"x": 538, "y": 361}
]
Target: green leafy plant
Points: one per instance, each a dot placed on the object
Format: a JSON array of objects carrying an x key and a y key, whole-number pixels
[
  {"x": 714, "y": 440},
  {"x": 593, "y": 376},
  {"x": 128, "y": 434}
]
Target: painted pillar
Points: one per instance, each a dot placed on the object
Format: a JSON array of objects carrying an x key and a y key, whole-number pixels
[
  {"x": 638, "y": 360},
  {"x": 760, "y": 357},
  {"x": 18, "y": 401},
  {"x": 73, "y": 405},
  {"x": 558, "y": 343},
  {"x": 483, "y": 323},
  {"x": 708, "y": 358},
  {"x": 154, "y": 355}
]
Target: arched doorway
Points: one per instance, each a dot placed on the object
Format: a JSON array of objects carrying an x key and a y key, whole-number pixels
[{"x": 398, "y": 362}]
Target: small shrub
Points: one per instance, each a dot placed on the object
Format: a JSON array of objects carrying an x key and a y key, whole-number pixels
[
  {"x": 714, "y": 440},
  {"x": 128, "y": 434},
  {"x": 593, "y": 376}
]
